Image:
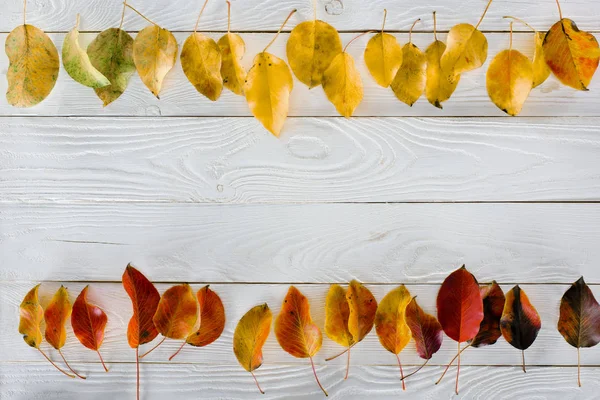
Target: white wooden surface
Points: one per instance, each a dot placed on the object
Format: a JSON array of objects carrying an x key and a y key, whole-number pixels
[{"x": 190, "y": 190}]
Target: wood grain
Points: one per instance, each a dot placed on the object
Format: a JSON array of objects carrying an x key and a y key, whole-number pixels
[
  {"x": 57, "y": 15},
  {"x": 232, "y": 160},
  {"x": 301, "y": 243},
  {"x": 179, "y": 98},
  {"x": 549, "y": 349}
]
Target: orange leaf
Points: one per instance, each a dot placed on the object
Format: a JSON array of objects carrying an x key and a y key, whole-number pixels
[
  {"x": 177, "y": 312},
  {"x": 144, "y": 299},
  {"x": 88, "y": 322},
  {"x": 362, "y": 310},
  {"x": 295, "y": 330},
  {"x": 56, "y": 315},
  {"x": 212, "y": 318},
  {"x": 31, "y": 314}
]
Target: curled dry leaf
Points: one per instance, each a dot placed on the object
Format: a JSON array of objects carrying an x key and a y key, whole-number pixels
[
  {"x": 520, "y": 322},
  {"x": 579, "y": 321},
  {"x": 77, "y": 63},
  {"x": 391, "y": 325},
  {"x": 437, "y": 88},
  {"x": 111, "y": 53},
  {"x": 311, "y": 47},
  {"x": 33, "y": 68},
  {"x": 493, "y": 305},
  {"x": 88, "y": 322},
  {"x": 232, "y": 48},
  {"x": 250, "y": 335},
  {"x": 201, "y": 63},
  {"x": 541, "y": 71},
  {"x": 295, "y": 331},
  {"x": 383, "y": 56},
  {"x": 571, "y": 54},
  {"x": 410, "y": 80}
]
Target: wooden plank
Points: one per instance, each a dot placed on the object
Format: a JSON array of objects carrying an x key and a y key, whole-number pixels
[
  {"x": 232, "y": 160},
  {"x": 179, "y": 98},
  {"x": 301, "y": 243},
  {"x": 257, "y": 15},
  {"x": 549, "y": 348}
]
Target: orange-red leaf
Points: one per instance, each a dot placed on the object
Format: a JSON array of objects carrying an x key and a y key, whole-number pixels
[
  {"x": 520, "y": 322},
  {"x": 177, "y": 312},
  {"x": 56, "y": 316},
  {"x": 579, "y": 321},
  {"x": 144, "y": 299},
  {"x": 459, "y": 305},
  {"x": 426, "y": 330},
  {"x": 212, "y": 318},
  {"x": 493, "y": 305},
  {"x": 362, "y": 306},
  {"x": 31, "y": 315},
  {"x": 88, "y": 321}
]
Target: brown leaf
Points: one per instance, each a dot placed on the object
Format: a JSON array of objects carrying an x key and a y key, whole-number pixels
[{"x": 493, "y": 305}]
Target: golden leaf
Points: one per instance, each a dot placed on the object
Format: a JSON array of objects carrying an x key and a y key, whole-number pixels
[
  {"x": 33, "y": 67},
  {"x": 438, "y": 88},
  {"x": 390, "y": 320},
  {"x": 311, "y": 47},
  {"x": 337, "y": 312},
  {"x": 409, "y": 83},
  {"x": 31, "y": 316},
  {"x": 56, "y": 316},
  {"x": 201, "y": 63},
  {"x": 154, "y": 54},
  {"x": 466, "y": 50},
  {"x": 77, "y": 63},
  {"x": 383, "y": 56},
  {"x": 232, "y": 48},
  {"x": 342, "y": 84},
  {"x": 541, "y": 71},
  {"x": 363, "y": 306}
]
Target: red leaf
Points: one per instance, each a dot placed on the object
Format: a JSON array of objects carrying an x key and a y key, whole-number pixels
[
  {"x": 88, "y": 322},
  {"x": 425, "y": 329},
  {"x": 144, "y": 299}
]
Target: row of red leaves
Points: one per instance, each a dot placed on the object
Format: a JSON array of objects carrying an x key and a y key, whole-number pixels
[{"x": 467, "y": 312}]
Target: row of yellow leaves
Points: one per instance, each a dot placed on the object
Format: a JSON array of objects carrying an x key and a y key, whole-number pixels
[{"x": 316, "y": 57}]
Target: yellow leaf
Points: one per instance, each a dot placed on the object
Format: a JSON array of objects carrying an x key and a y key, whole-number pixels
[
  {"x": 311, "y": 47},
  {"x": 466, "y": 49},
  {"x": 383, "y": 56},
  {"x": 541, "y": 72},
  {"x": 31, "y": 315},
  {"x": 78, "y": 64},
  {"x": 390, "y": 320},
  {"x": 33, "y": 66},
  {"x": 363, "y": 306},
  {"x": 409, "y": 83},
  {"x": 337, "y": 312},
  {"x": 509, "y": 80},
  {"x": 201, "y": 63},
  {"x": 571, "y": 54},
  {"x": 438, "y": 88},
  {"x": 232, "y": 50},
  {"x": 154, "y": 54},
  {"x": 342, "y": 84}
]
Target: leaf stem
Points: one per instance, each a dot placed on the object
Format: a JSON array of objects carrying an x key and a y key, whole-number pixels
[
  {"x": 256, "y": 381},
  {"x": 521, "y": 21},
  {"x": 483, "y": 15},
  {"x": 347, "y": 364},
  {"x": 152, "y": 349},
  {"x": 384, "y": 17},
  {"x": 578, "y": 367},
  {"x": 354, "y": 38},
  {"x": 123, "y": 15},
  {"x": 457, "y": 369},
  {"x": 434, "y": 27},
  {"x": 451, "y": 362},
  {"x": 199, "y": 15},
  {"x": 279, "y": 31},
  {"x": 315, "y": 9},
  {"x": 178, "y": 350},
  {"x": 401, "y": 372},
  {"x": 228, "y": 16},
  {"x": 559, "y": 10},
  {"x": 24, "y": 10},
  {"x": 77, "y": 22},
  {"x": 137, "y": 369},
  {"x": 140, "y": 14},
  {"x": 411, "y": 29},
  {"x": 101, "y": 360},
  {"x": 316, "y": 377},
  {"x": 523, "y": 359},
  {"x": 68, "y": 366},
  {"x": 341, "y": 354},
  {"x": 511, "y": 35},
  {"x": 55, "y": 366},
  {"x": 418, "y": 369}
]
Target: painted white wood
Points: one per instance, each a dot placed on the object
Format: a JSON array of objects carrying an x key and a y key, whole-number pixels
[
  {"x": 418, "y": 243},
  {"x": 549, "y": 349},
  {"x": 232, "y": 160},
  {"x": 183, "y": 382},
  {"x": 258, "y": 15},
  {"x": 179, "y": 97}
]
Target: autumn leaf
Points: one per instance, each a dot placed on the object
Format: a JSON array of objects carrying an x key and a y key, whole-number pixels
[
  {"x": 579, "y": 321},
  {"x": 250, "y": 335},
  {"x": 77, "y": 63},
  {"x": 154, "y": 54},
  {"x": 177, "y": 314},
  {"x": 342, "y": 83},
  {"x": 337, "y": 312},
  {"x": 391, "y": 324},
  {"x": 493, "y": 305},
  {"x": 212, "y": 320},
  {"x": 437, "y": 88},
  {"x": 509, "y": 79},
  {"x": 296, "y": 332},
  {"x": 410, "y": 80},
  {"x": 466, "y": 49},
  {"x": 232, "y": 49},
  {"x": 425, "y": 330},
  {"x": 268, "y": 86},
  {"x": 88, "y": 322},
  {"x": 571, "y": 54},
  {"x": 144, "y": 300},
  {"x": 56, "y": 316},
  {"x": 311, "y": 48},
  {"x": 460, "y": 309},
  {"x": 33, "y": 66},
  {"x": 383, "y": 56},
  {"x": 520, "y": 322},
  {"x": 201, "y": 62}
]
